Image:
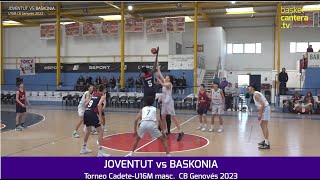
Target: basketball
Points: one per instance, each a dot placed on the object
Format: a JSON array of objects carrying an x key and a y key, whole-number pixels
[{"x": 154, "y": 51}]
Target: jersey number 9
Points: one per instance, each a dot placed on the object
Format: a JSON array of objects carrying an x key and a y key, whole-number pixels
[{"x": 90, "y": 103}]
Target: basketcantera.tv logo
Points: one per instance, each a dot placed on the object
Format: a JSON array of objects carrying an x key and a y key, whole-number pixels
[{"x": 292, "y": 14}]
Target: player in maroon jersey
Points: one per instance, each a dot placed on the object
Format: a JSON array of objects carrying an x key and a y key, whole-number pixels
[
  {"x": 202, "y": 107},
  {"x": 21, "y": 100},
  {"x": 93, "y": 117}
]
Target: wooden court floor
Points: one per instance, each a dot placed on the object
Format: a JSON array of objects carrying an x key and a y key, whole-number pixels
[{"x": 290, "y": 135}]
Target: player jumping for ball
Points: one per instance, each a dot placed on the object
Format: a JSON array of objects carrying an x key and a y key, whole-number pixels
[{"x": 167, "y": 103}]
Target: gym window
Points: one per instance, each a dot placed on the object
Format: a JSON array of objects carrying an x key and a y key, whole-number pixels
[
  {"x": 301, "y": 47},
  {"x": 247, "y": 48}
]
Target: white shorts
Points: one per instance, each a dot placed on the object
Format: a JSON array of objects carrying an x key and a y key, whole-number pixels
[
  {"x": 150, "y": 127},
  {"x": 81, "y": 111},
  {"x": 168, "y": 108},
  {"x": 266, "y": 114},
  {"x": 217, "y": 109}
]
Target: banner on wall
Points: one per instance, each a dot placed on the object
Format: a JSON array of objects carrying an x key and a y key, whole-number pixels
[
  {"x": 47, "y": 31},
  {"x": 314, "y": 59},
  {"x": 134, "y": 25},
  {"x": 136, "y": 66},
  {"x": 109, "y": 27},
  {"x": 66, "y": 68},
  {"x": 72, "y": 30},
  {"x": 88, "y": 29},
  {"x": 96, "y": 67},
  {"x": 27, "y": 66},
  {"x": 154, "y": 26},
  {"x": 104, "y": 67},
  {"x": 176, "y": 24},
  {"x": 301, "y": 24},
  {"x": 176, "y": 62}
]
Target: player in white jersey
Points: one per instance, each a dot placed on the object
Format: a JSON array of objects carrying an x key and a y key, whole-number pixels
[
  {"x": 148, "y": 124},
  {"x": 217, "y": 105},
  {"x": 81, "y": 108},
  {"x": 264, "y": 114},
  {"x": 167, "y": 103}
]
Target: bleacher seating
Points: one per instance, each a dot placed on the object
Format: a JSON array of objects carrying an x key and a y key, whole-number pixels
[{"x": 290, "y": 105}]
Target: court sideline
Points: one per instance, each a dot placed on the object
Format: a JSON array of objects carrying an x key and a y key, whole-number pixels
[{"x": 52, "y": 137}]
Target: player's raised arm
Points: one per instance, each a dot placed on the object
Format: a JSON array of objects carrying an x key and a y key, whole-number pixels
[
  {"x": 164, "y": 84},
  {"x": 155, "y": 65},
  {"x": 159, "y": 74}
]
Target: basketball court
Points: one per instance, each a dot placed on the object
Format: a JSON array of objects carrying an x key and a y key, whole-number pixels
[{"x": 290, "y": 135}]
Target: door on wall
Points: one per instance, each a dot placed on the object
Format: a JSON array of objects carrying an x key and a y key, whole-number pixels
[
  {"x": 256, "y": 79},
  {"x": 178, "y": 48}
]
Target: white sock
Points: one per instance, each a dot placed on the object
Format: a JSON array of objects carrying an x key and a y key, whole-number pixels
[
  {"x": 205, "y": 125},
  {"x": 169, "y": 155},
  {"x": 221, "y": 127},
  {"x": 84, "y": 144},
  {"x": 211, "y": 126},
  {"x": 266, "y": 141},
  {"x": 200, "y": 124},
  {"x": 74, "y": 131}
]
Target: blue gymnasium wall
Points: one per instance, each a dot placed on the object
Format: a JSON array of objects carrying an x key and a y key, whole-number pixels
[
  {"x": 312, "y": 80},
  {"x": 41, "y": 80}
]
